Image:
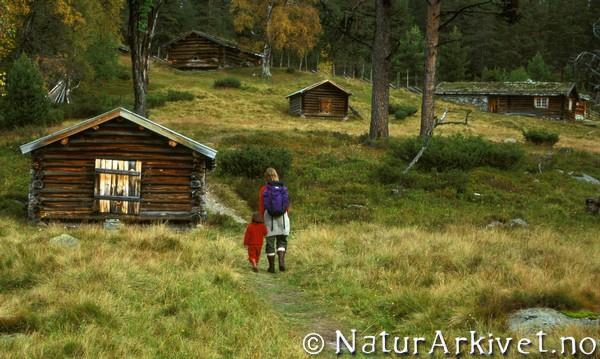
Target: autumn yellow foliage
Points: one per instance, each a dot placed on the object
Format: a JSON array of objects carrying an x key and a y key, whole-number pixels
[
  {"x": 11, "y": 11},
  {"x": 290, "y": 25}
]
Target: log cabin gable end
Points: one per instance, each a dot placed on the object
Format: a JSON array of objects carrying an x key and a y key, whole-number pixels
[{"x": 118, "y": 165}]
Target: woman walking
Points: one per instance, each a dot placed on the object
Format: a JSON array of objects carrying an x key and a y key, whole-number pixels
[{"x": 273, "y": 204}]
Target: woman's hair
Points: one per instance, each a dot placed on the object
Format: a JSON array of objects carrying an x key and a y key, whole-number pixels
[
  {"x": 271, "y": 175},
  {"x": 256, "y": 218}
]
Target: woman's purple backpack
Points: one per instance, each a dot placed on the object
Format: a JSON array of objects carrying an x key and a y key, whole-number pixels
[{"x": 276, "y": 198}]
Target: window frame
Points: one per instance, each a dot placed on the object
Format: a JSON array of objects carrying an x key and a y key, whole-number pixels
[
  {"x": 116, "y": 176},
  {"x": 541, "y": 102}
]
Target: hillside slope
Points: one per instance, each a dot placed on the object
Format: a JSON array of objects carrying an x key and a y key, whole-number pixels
[{"x": 408, "y": 256}]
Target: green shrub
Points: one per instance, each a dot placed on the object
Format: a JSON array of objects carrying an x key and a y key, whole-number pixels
[
  {"x": 252, "y": 162},
  {"x": 541, "y": 137},
  {"x": 124, "y": 73},
  {"x": 459, "y": 152},
  {"x": 227, "y": 82},
  {"x": 400, "y": 115},
  {"x": 290, "y": 70},
  {"x": 159, "y": 99},
  {"x": 25, "y": 101},
  {"x": 394, "y": 107}
]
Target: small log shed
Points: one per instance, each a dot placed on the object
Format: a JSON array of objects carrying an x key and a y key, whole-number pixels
[
  {"x": 202, "y": 51},
  {"x": 322, "y": 99},
  {"x": 118, "y": 165},
  {"x": 556, "y": 100}
]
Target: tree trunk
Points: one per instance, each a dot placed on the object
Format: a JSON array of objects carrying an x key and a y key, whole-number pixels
[
  {"x": 381, "y": 71},
  {"x": 431, "y": 52},
  {"x": 140, "y": 42},
  {"x": 266, "y": 70}
]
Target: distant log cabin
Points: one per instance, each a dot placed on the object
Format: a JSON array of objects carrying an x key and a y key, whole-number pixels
[
  {"x": 322, "y": 99},
  {"x": 554, "y": 100},
  {"x": 118, "y": 165},
  {"x": 201, "y": 51}
]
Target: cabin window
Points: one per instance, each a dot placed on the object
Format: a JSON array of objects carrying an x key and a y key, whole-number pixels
[
  {"x": 325, "y": 105},
  {"x": 117, "y": 187},
  {"x": 540, "y": 102}
]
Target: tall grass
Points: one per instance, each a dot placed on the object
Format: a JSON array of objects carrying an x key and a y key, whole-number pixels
[{"x": 138, "y": 292}]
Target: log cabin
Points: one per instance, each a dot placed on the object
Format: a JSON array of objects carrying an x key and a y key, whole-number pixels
[
  {"x": 554, "y": 100},
  {"x": 201, "y": 51},
  {"x": 322, "y": 99},
  {"x": 118, "y": 165}
]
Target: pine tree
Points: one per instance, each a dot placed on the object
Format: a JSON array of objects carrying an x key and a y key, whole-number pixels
[
  {"x": 411, "y": 54},
  {"x": 537, "y": 69},
  {"x": 494, "y": 75},
  {"x": 454, "y": 58},
  {"x": 518, "y": 74},
  {"x": 25, "y": 101}
]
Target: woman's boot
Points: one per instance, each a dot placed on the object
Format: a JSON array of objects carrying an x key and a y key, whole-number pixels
[
  {"x": 281, "y": 255},
  {"x": 271, "y": 264}
]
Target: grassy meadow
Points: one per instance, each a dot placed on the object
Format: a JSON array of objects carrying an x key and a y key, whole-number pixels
[{"x": 407, "y": 257}]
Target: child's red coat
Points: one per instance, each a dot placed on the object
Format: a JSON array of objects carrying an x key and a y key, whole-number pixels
[{"x": 255, "y": 233}]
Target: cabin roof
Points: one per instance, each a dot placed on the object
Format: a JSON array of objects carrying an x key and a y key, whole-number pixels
[
  {"x": 525, "y": 88},
  {"x": 128, "y": 115},
  {"x": 218, "y": 40},
  {"x": 308, "y": 88}
]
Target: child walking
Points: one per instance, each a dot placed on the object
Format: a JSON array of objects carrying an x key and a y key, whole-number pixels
[{"x": 253, "y": 239}]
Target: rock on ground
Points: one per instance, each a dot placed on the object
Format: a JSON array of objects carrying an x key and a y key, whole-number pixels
[
  {"x": 518, "y": 222},
  {"x": 535, "y": 319},
  {"x": 515, "y": 222},
  {"x": 588, "y": 179},
  {"x": 112, "y": 224},
  {"x": 65, "y": 240}
]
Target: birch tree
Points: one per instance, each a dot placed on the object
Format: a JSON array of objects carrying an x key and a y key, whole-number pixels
[{"x": 277, "y": 24}]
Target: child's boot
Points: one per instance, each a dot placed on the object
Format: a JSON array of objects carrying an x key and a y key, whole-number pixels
[
  {"x": 271, "y": 264},
  {"x": 254, "y": 265},
  {"x": 281, "y": 255}
]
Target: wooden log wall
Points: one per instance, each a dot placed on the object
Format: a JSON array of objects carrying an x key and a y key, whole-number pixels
[
  {"x": 311, "y": 101},
  {"x": 63, "y": 175},
  {"x": 525, "y": 105},
  {"x": 197, "y": 51},
  {"x": 296, "y": 105}
]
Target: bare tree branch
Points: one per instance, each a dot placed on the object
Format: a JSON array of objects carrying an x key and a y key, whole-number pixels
[{"x": 460, "y": 11}]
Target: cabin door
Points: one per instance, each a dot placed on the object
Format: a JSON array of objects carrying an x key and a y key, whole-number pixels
[
  {"x": 325, "y": 105},
  {"x": 492, "y": 104}
]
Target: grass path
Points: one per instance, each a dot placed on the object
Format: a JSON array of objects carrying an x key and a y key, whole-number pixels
[{"x": 303, "y": 313}]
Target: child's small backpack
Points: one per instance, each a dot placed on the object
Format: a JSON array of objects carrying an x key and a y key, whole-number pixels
[{"x": 276, "y": 199}]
